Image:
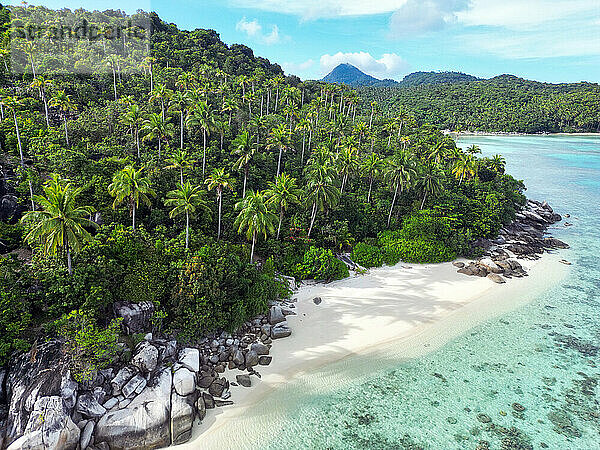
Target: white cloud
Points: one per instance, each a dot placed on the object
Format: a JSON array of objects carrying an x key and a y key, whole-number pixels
[
  {"x": 314, "y": 9},
  {"x": 390, "y": 65},
  {"x": 295, "y": 68},
  {"x": 419, "y": 16},
  {"x": 524, "y": 14},
  {"x": 254, "y": 30}
]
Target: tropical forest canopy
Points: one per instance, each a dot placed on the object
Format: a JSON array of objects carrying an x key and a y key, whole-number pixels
[
  {"x": 501, "y": 104},
  {"x": 193, "y": 180}
]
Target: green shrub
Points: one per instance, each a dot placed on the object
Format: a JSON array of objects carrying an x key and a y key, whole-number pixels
[
  {"x": 88, "y": 347},
  {"x": 367, "y": 255},
  {"x": 218, "y": 289},
  {"x": 15, "y": 316},
  {"x": 321, "y": 264},
  {"x": 396, "y": 248},
  {"x": 11, "y": 237}
]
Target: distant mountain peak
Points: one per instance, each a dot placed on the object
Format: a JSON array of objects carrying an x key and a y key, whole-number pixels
[{"x": 352, "y": 76}]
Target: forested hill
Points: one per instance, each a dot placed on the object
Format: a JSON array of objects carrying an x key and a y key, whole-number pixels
[
  {"x": 501, "y": 104},
  {"x": 421, "y": 78},
  {"x": 194, "y": 160}
]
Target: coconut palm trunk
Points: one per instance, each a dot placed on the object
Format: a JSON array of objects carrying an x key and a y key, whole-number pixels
[
  {"x": 204, "y": 152},
  {"x": 133, "y": 211},
  {"x": 220, "y": 197},
  {"x": 424, "y": 197},
  {"x": 187, "y": 229},
  {"x": 392, "y": 207},
  {"x": 252, "y": 250},
  {"x": 279, "y": 161},
  {"x": 370, "y": 188},
  {"x": 66, "y": 130},
  {"x": 312, "y": 218},
  {"x": 19, "y": 139},
  {"x": 280, "y": 220},
  {"x": 245, "y": 178},
  {"x": 181, "y": 125}
]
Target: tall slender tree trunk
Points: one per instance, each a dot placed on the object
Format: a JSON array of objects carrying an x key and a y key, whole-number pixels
[
  {"x": 137, "y": 142},
  {"x": 133, "y": 210},
  {"x": 66, "y": 130},
  {"x": 45, "y": 107},
  {"x": 393, "y": 203},
  {"x": 312, "y": 218},
  {"x": 370, "y": 188},
  {"x": 69, "y": 262},
  {"x": 181, "y": 175},
  {"x": 280, "y": 220},
  {"x": 252, "y": 250},
  {"x": 245, "y": 178},
  {"x": 187, "y": 230},
  {"x": 424, "y": 197},
  {"x": 181, "y": 125},
  {"x": 279, "y": 161},
  {"x": 303, "y": 142},
  {"x": 19, "y": 139},
  {"x": 159, "y": 149},
  {"x": 204, "y": 153},
  {"x": 31, "y": 195},
  {"x": 220, "y": 194}
]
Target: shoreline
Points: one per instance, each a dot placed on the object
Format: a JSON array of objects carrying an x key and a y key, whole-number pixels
[
  {"x": 391, "y": 314},
  {"x": 460, "y": 134}
]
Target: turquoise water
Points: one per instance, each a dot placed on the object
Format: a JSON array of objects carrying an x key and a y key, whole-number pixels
[{"x": 526, "y": 379}]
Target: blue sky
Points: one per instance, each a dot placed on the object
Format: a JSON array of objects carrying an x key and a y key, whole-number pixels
[{"x": 546, "y": 40}]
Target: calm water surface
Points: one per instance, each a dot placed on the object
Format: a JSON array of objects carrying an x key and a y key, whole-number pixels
[{"x": 527, "y": 379}]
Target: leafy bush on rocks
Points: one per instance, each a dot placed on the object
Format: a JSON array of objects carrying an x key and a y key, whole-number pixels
[
  {"x": 321, "y": 264},
  {"x": 367, "y": 255}
]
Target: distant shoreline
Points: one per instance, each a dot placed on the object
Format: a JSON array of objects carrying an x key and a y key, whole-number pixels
[{"x": 511, "y": 133}]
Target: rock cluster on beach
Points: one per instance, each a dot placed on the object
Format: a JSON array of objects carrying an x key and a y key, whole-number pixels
[
  {"x": 150, "y": 402},
  {"x": 524, "y": 238}
]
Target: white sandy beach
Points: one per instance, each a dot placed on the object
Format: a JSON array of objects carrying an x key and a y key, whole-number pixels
[{"x": 391, "y": 313}]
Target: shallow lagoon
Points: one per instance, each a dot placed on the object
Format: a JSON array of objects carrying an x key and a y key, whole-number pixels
[{"x": 526, "y": 379}]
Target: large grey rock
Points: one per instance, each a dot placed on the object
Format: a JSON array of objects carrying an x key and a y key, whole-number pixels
[
  {"x": 29, "y": 379},
  {"x": 122, "y": 377},
  {"x": 182, "y": 418},
  {"x": 496, "y": 278},
  {"x": 68, "y": 392},
  {"x": 217, "y": 387},
  {"x": 251, "y": 359},
  {"x": 265, "y": 360},
  {"x": 184, "y": 381},
  {"x": 490, "y": 265},
  {"x": 134, "y": 386},
  {"x": 200, "y": 408},
  {"x": 260, "y": 348},
  {"x": 243, "y": 380},
  {"x": 145, "y": 423},
  {"x": 275, "y": 315},
  {"x": 86, "y": 435},
  {"x": 190, "y": 358},
  {"x": 146, "y": 357},
  {"x": 136, "y": 316},
  {"x": 281, "y": 330},
  {"x": 238, "y": 358},
  {"x": 89, "y": 407},
  {"x": 49, "y": 427}
]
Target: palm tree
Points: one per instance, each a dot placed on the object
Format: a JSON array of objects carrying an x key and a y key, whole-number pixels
[
  {"x": 254, "y": 218},
  {"x": 181, "y": 160},
  {"x": 13, "y": 104},
  {"x": 60, "y": 225},
  {"x": 219, "y": 180},
  {"x": 162, "y": 95},
  {"x": 473, "y": 149},
  {"x": 186, "y": 199},
  {"x": 63, "y": 102},
  {"x": 442, "y": 150},
  {"x": 464, "y": 167},
  {"x": 279, "y": 138},
  {"x": 179, "y": 102},
  {"x": 42, "y": 83},
  {"x": 400, "y": 173},
  {"x": 131, "y": 186},
  {"x": 371, "y": 166},
  {"x": 304, "y": 125},
  {"x": 229, "y": 106},
  {"x": 243, "y": 148},
  {"x": 158, "y": 129},
  {"x": 430, "y": 181},
  {"x": 347, "y": 163},
  {"x": 133, "y": 119},
  {"x": 321, "y": 192},
  {"x": 202, "y": 116},
  {"x": 497, "y": 163},
  {"x": 281, "y": 194}
]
